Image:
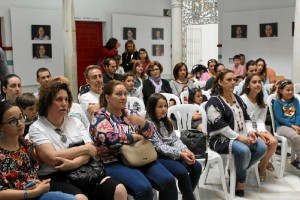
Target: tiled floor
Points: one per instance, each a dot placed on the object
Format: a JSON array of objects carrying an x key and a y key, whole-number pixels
[{"x": 287, "y": 188}]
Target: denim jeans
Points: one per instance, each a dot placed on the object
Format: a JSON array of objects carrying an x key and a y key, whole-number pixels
[
  {"x": 56, "y": 196},
  {"x": 139, "y": 181},
  {"x": 187, "y": 175},
  {"x": 245, "y": 157}
]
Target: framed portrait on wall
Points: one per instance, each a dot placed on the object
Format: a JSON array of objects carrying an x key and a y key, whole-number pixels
[
  {"x": 268, "y": 30},
  {"x": 238, "y": 31},
  {"x": 157, "y": 50},
  {"x": 157, "y": 33},
  {"x": 40, "y": 32},
  {"x": 129, "y": 33},
  {"x": 41, "y": 51}
]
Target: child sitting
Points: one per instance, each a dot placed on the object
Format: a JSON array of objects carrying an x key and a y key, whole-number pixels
[
  {"x": 195, "y": 97},
  {"x": 128, "y": 81},
  {"x": 27, "y": 103}
]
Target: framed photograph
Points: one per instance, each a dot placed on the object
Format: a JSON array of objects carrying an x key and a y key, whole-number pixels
[
  {"x": 157, "y": 33},
  {"x": 40, "y": 32},
  {"x": 293, "y": 28},
  {"x": 158, "y": 50},
  {"x": 41, "y": 51},
  {"x": 129, "y": 33},
  {"x": 238, "y": 31},
  {"x": 268, "y": 30}
]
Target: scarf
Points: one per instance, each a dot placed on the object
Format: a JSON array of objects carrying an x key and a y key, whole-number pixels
[{"x": 157, "y": 82}]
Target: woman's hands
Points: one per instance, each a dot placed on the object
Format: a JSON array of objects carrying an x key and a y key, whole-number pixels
[
  {"x": 264, "y": 137},
  {"x": 137, "y": 137},
  {"x": 40, "y": 188},
  {"x": 251, "y": 139},
  {"x": 188, "y": 156},
  {"x": 136, "y": 120}
]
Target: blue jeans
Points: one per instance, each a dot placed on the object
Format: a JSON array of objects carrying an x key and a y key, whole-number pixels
[
  {"x": 245, "y": 157},
  {"x": 187, "y": 175},
  {"x": 56, "y": 196},
  {"x": 139, "y": 181}
]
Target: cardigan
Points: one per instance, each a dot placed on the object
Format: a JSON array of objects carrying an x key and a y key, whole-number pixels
[{"x": 149, "y": 88}]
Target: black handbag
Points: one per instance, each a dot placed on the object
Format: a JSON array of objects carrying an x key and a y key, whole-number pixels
[
  {"x": 219, "y": 144},
  {"x": 88, "y": 174},
  {"x": 196, "y": 141}
]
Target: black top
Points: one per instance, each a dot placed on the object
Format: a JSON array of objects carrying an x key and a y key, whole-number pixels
[
  {"x": 149, "y": 88},
  {"x": 107, "y": 78},
  {"x": 127, "y": 57}
]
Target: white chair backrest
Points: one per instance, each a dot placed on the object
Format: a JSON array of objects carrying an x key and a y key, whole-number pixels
[
  {"x": 183, "y": 114},
  {"x": 171, "y": 96},
  {"x": 200, "y": 84},
  {"x": 185, "y": 95},
  {"x": 133, "y": 101},
  {"x": 268, "y": 87},
  {"x": 296, "y": 88}
]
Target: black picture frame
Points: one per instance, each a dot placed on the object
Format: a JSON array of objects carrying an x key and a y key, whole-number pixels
[
  {"x": 239, "y": 31},
  {"x": 158, "y": 50},
  {"x": 293, "y": 28},
  {"x": 268, "y": 30},
  {"x": 127, "y": 31},
  {"x": 36, "y": 53},
  {"x": 157, "y": 33},
  {"x": 35, "y": 32}
]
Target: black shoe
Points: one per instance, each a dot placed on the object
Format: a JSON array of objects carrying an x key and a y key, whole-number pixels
[
  {"x": 240, "y": 193},
  {"x": 296, "y": 164}
]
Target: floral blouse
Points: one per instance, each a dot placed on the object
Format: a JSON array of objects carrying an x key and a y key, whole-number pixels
[
  {"x": 17, "y": 167},
  {"x": 110, "y": 131}
]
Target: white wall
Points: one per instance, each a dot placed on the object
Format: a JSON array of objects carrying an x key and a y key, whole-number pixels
[{"x": 278, "y": 52}]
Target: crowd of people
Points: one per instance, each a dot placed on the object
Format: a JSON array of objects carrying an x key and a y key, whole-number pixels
[{"x": 41, "y": 128}]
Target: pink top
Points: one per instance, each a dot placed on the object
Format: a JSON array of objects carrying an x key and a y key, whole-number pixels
[
  {"x": 205, "y": 76},
  {"x": 239, "y": 70}
]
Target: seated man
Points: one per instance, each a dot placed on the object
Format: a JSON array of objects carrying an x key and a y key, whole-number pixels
[
  {"x": 90, "y": 100},
  {"x": 111, "y": 68}
]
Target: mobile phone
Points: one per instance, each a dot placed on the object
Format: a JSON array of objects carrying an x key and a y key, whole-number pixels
[{"x": 30, "y": 184}]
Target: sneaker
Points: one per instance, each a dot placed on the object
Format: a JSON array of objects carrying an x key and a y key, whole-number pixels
[{"x": 296, "y": 164}]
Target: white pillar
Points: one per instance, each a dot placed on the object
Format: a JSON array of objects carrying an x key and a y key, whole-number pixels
[
  {"x": 296, "y": 49},
  {"x": 70, "y": 54},
  {"x": 176, "y": 32}
]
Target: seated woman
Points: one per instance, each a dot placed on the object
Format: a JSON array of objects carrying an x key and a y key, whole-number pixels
[
  {"x": 114, "y": 126},
  {"x": 154, "y": 83},
  {"x": 253, "y": 97},
  {"x": 287, "y": 116},
  {"x": 53, "y": 133},
  {"x": 19, "y": 164},
  {"x": 267, "y": 74},
  {"x": 180, "y": 82},
  {"x": 196, "y": 97},
  {"x": 11, "y": 87},
  {"x": 210, "y": 70},
  {"x": 230, "y": 128},
  {"x": 173, "y": 154}
]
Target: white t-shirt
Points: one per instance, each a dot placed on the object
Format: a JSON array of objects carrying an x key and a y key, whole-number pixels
[
  {"x": 77, "y": 111},
  {"x": 85, "y": 99},
  {"x": 42, "y": 132}
]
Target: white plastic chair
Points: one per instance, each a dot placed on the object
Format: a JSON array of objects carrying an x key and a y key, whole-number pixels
[
  {"x": 200, "y": 84},
  {"x": 297, "y": 88},
  {"x": 268, "y": 87},
  {"x": 183, "y": 114},
  {"x": 284, "y": 141},
  {"x": 135, "y": 103},
  {"x": 171, "y": 96}
]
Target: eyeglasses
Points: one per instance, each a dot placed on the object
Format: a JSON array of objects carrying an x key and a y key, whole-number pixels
[
  {"x": 96, "y": 76},
  {"x": 285, "y": 82},
  {"x": 156, "y": 69},
  {"x": 60, "y": 132},
  {"x": 16, "y": 121}
]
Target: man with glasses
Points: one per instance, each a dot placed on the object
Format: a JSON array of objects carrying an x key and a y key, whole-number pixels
[
  {"x": 90, "y": 101},
  {"x": 111, "y": 68}
]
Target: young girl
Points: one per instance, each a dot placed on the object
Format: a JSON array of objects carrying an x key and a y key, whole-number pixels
[
  {"x": 287, "y": 116},
  {"x": 18, "y": 163},
  {"x": 253, "y": 97},
  {"x": 195, "y": 97},
  {"x": 173, "y": 154},
  {"x": 144, "y": 58},
  {"x": 210, "y": 69}
]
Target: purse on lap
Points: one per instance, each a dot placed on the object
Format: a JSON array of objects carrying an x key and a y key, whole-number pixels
[
  {"x": 138, "y": 154},
  {"x": 196, "y": 141}
]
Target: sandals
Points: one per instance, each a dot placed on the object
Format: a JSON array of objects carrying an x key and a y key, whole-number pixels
[{"x": 270, "y": 167}]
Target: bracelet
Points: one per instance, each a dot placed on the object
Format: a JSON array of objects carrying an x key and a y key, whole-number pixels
[{"x": 25, "y": 195}]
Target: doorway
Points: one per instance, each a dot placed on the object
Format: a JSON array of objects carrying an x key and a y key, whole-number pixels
[{"x": 89, "y": 42}]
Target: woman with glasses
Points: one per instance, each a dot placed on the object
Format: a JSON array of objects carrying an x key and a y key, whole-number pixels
[
  {"x": 154, "y": 83},
  {"x": 230, "y": 129},
  {"x": 287, "y": 116},
  {"x": 54, "y": 133},
  {"x": 11, "y": 87},
  {"x": 19, "y": 164}
]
